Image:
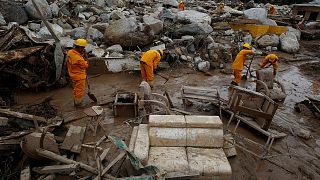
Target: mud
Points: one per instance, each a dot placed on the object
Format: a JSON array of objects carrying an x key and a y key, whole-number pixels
[{"x": 288, "y": 154}]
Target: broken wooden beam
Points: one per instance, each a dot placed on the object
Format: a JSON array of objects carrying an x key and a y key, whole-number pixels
[
  {"x": 22, "y": 115},
  {"x": 118, "y": 158},
  {"x": 25, "y": 173},
  {"x": 56, "y": 169},
  {"x": 17, "y": 54},
  {"x": 104, "y": 154},
  {"x": 74, "y": 139},
  {"x": 55, "y": 157}
]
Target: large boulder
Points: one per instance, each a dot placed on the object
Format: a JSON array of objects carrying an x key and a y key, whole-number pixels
[
  {"x": 81, "y": 32},
  {"x": 269, "y": 22},
  {"x": 125, "y": 32},
  {"x": 155, "y": 24},
  {"x": 45, "y": 33},
  {"x": 295, "y": 31},
  {"x": 44, "y": 7},
  {"x": 289, "y": 42},
  {"x": 118, "y": 3},
  {"x": 193, "y": 29},
  {"x": 193, "y": 16},
  {"x": 171, "y": 3},
  {"x": 13, "y": 12},
  {"x": 268, "y": 40},
  {"x": 256, "y": 13}
]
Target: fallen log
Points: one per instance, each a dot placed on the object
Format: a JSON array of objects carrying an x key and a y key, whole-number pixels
[
  {"x": 55, "y": 157},
  {"x": 22, "y": 115},
  {"x": 17, "y": 54}
]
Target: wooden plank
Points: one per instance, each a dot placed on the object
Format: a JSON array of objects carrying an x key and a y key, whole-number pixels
[
  {"x": 208, "y": 98},
  {"x": 56, "y": 169},
  {"x": 103, "y": 155},
  {"x": 105, "y": 170},
  {"x": 181, "y": 111},
  {"x": 22, "y": 115},
  {"x": 56, "y": 157},
  {"x": 74, "y": 139},
  {"x": 169, "y": 99}
]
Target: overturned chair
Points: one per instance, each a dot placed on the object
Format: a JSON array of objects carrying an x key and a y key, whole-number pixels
[
  {"x": 266, "y": 84},
  {"x": 183, "y": 144}
]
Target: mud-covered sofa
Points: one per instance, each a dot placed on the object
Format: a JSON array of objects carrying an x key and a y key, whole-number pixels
[{"x": 177, "y": 143}]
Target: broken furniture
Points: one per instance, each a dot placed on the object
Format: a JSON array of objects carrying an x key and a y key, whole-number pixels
[
  {"x": 196, "y": 93},
  {"x": 308, "y": 11},
  {"x": 177, "y": 143},
  {"x": 94, "y": 112},
  {"x": 74, "y": 139},
  {"x": 267, "y": 85},
  {"x": 152, "y": 101},
  {"x": 126, "y": 105}
]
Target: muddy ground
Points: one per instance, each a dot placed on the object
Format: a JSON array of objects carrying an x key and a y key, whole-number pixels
[{"x": 292, "y": 157}]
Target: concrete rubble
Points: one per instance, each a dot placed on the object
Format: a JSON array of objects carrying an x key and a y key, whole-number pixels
[{"x": 201, "y": 42}]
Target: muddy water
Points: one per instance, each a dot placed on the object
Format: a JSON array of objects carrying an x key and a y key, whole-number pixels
[{"x": 245, "y": 166}]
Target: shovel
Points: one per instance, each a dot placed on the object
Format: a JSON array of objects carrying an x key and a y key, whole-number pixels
[
  {"x": 245, "y": 77},
  {"x": 90, "y": 95}
]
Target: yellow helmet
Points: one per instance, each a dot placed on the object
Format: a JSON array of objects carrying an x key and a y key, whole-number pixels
[
  {"x": 81, "y": 42},
  {"x": 246, "y": 45},
  {"x": 161, "y": 52}
]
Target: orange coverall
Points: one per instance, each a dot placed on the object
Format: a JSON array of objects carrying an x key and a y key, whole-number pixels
[
  {"x": 181, "y": 6},
  {"x": 77, "y": 71},
  {"x": 273, "y": 62},
  {"x": 148, "y": 62},
  {"x": 238, "y": 64}
]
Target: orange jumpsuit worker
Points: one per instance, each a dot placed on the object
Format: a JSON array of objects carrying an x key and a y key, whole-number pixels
[
  {"x": 238, "y": 63},
  {"x": 272, "y": 10},
  {"x": 77, "y": 67},
  {"x": 148, "y": 63},
  {"x": 273, "y": 60},
  {"x": 181, "y": 6}
]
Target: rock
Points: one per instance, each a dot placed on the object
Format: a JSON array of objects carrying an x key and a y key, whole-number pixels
[
  {"x": 2, "y": 20},
  {"x": 116, "y": 54},
  {"x": 193, "y": 16},
  {"x": 116, "y": 15},
  {"x": 77, "y": 33},
  {"x": 98, "y": 52},
  {"x": 66, "y": 42},
  {"x": 155, "y": 24},
  {"x": 256, "y": 13},
  {"x": 54, "y": 9},
  {"x": 289, "y": 42},
  {"x": 124, "y": 32},
  {"x": 229, "y": 32},
  {"x": 268, "y": 40},
  {"x": 115, "y": 48},
  {"x": 94, "y": 34},
  {"x": 44, "y": 7},
  {"x": 197, "y": 60},
  {"x": 230, "y": 11},
  {"x": 95, "y": 10},
  {"x": 100, "y": 26},
  {"x": 171, "y": 3},
  {"x": 268, "y": 22},
  {"x": 79, "y": 8},
  {"x": 12, "y": 12},
  {"x": 183, "y": 58},
  {"x": 105, "y": 17},
  {"x": 204, "y": 66},
  {"x": 187, "y": 38},
  {"x": 193, "y": 29},
  {"x": 64, "y": 24},
  {"x": 118, "y": 3},
  {"x": 304, "y": 134},
  {"x": 100, "y": 3},
  {"x": 87, "y": 14},
  {"x": 81, "y": 16},
  {"x": 44, "y": 32},
  {"x": 34, "y": 26},
  {"x": 92, "y": 19},
  {"x": 295, "y": 31},
  {"x": 167, "y": 14}
]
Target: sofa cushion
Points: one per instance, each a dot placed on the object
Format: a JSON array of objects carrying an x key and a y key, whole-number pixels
[
  {"x": 204, "y": 122},
  {"x": 167, "y": 121},
  {"x": 204, "y": 137},
  {"x": 169, "y": 159},
  {"x": 141, "y": 147},
  {"x": 209, "y": 162},
  {"x": 163, "y": 137}
]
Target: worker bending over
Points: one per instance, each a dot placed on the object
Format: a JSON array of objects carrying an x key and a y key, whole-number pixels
[
  {"x": 238, "y": 63},
  {"x": 148, "y": 63},
  {"x": 181, "y": 6},
  {"x": 272, "y": 10},
  {"x": 273, "y": 60},
  {"x": 77, "y": 66}
]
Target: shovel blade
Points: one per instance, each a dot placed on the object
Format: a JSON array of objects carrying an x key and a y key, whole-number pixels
[{"x": 92, "y": 97}]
